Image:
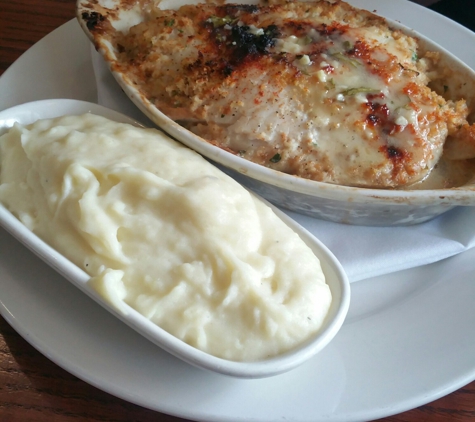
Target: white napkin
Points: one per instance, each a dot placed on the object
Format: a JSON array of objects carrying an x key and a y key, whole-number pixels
[{"x": 363, "y": 251}]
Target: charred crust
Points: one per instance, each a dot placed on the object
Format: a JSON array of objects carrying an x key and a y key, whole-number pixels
[
  {"x": 394, "y": 153},
  {"x": 228, "y": 69},
  {"x": 397, "y": 156},
  {"x": 241, "y": 44},
  {"x": 92, "y": 19},
  {"x": 248, "y": 44},
  {"x": 378, "y": 116},
  {"x": 232, "y": 9},
  {"x": 328, "y": 30}
]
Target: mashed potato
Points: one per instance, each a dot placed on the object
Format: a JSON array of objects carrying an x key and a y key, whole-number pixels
[{"x": 161, "y": 230}]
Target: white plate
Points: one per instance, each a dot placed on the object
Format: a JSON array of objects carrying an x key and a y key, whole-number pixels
[{"x": 409, "y": 337}]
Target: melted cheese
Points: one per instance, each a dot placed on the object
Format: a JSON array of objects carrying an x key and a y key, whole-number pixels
[{"x": 321, "y": 85}]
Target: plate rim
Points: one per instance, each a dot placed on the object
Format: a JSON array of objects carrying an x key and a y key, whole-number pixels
[{"x": 461, "y": 380}]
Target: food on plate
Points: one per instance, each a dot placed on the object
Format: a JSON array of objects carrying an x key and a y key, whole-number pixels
[
  {"x": 319, "y": 90},
  {"x": 160, "y": 229}
]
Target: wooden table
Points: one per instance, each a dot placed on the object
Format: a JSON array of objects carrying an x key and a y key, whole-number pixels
[{"x": 32, "y": 388}]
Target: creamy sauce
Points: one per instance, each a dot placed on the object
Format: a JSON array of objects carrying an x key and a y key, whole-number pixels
[
  {"x": 161, "y": 230},
  {"x": 319, "y": 90},
  {"x": 360, "y": 104}
]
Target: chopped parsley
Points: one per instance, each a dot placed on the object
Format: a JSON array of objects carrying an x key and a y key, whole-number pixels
[
  {"x": 330, "y": 84},
  {"x": 217, "y": 22},
  {"x": 342, "y": 57},
  {"x": 276, "y": 158},
  {"x": 307, "y": 40},
  {"x": 354, "y": 91},
  {"x": 347, "y": 45}
]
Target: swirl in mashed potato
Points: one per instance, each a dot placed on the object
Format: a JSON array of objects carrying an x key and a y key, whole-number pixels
[{"x": 161, "y": 230}]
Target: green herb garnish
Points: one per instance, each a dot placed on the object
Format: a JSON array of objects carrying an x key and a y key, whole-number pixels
[
  {"x": 276, "y": 158},
  {"x": 354, "y": 91},
  {"x": 330, "y": 84},
  {"x": 170, "y": 22},
  {"x": 342, "y": 57},
  {"x": 218, "y": 22},
  {"x": 307, "y": 40}
]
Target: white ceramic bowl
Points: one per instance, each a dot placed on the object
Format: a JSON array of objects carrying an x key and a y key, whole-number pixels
[
  {"x": 335, "y": 275},
  {"x": 336, "y": 203}
]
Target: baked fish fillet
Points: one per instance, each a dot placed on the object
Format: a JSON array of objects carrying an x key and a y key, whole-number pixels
[{"x": 319, "y": 90}]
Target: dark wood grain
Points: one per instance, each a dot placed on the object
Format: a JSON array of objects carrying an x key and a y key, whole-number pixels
[{"x": 32, "y": 388}]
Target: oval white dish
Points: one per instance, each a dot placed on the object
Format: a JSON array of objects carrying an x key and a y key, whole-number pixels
[
  {"x": 335, "y": 275},
  {"x": 342, "y": 204}
]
